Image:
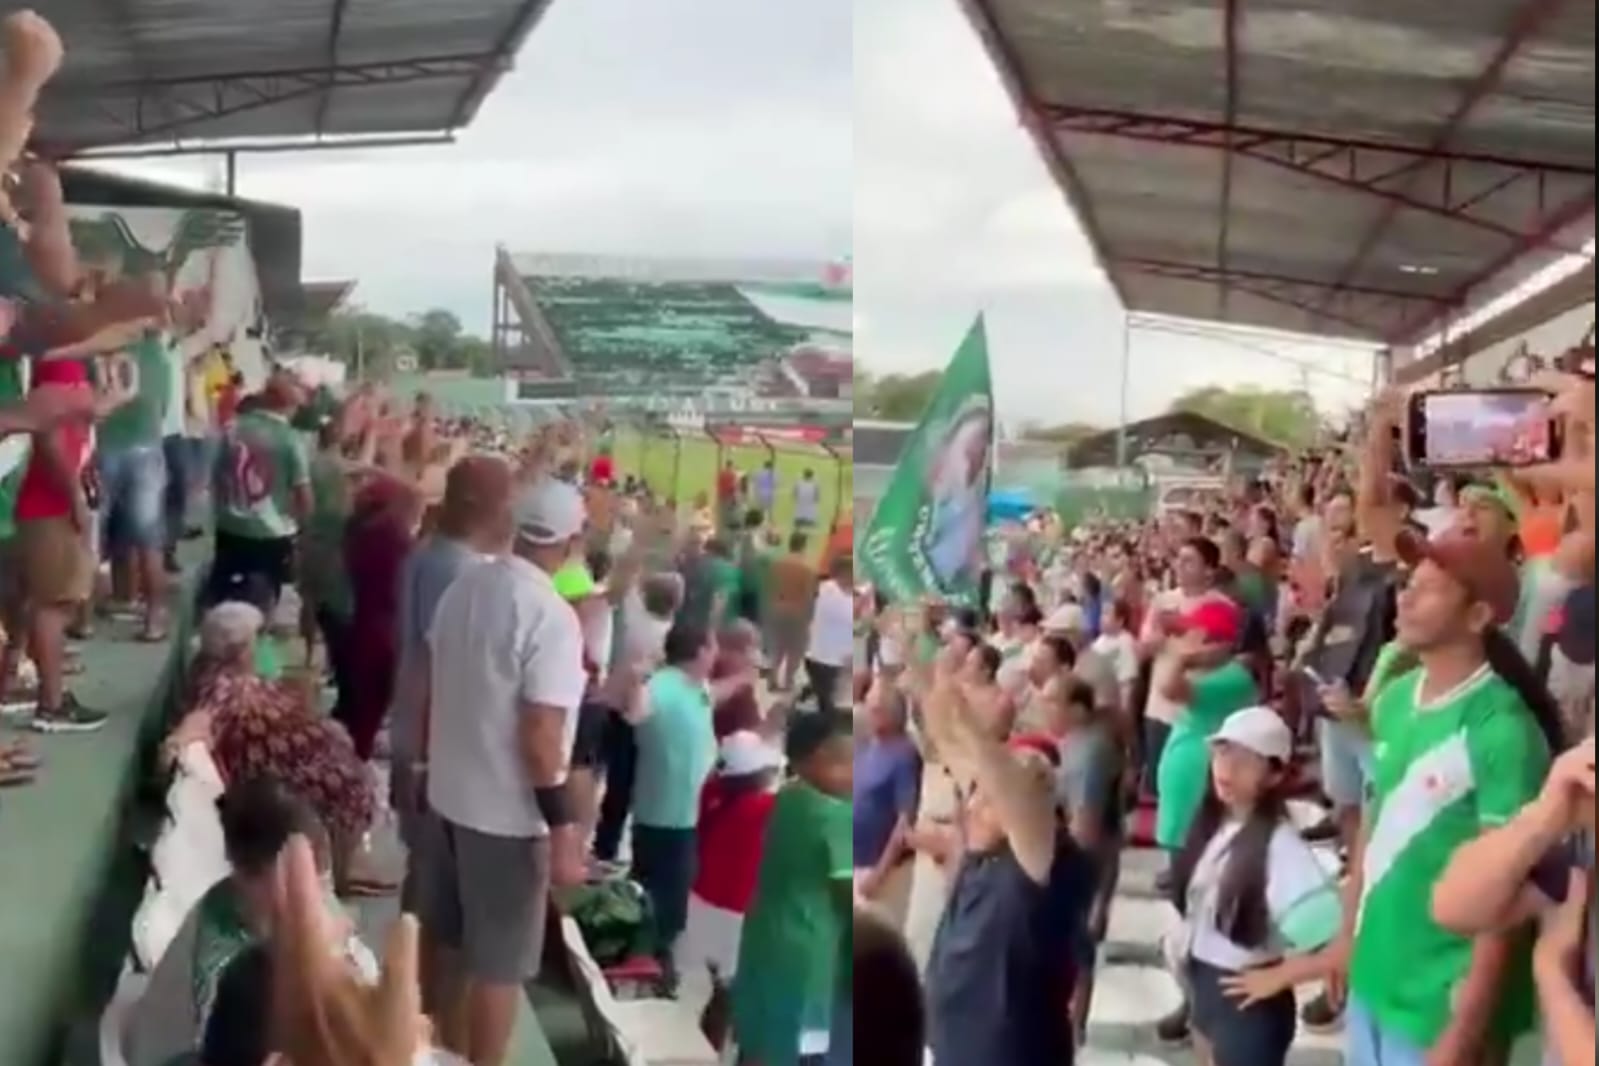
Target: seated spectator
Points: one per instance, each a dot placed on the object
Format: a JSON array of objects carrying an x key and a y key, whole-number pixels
[
  {"x": 296, "y": 1001},
  {"x": 259, "y": 728},
  {"x": 258, "y": 818}
]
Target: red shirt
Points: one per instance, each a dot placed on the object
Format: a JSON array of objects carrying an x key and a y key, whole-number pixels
[
  {"x": 726, "y": 484},
  {"x": 42, "y": 494},
  {"x": 732, "y": 835},
  {"x": 602, "y": 471}
]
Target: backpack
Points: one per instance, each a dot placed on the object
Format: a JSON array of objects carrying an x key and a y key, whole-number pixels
[{"x": 616, "y": 918}]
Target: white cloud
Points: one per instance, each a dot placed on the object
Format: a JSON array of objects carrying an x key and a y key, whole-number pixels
[{"x": 717, "y": 127}]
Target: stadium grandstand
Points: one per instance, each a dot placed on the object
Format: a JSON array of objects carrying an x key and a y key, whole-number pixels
[{"x": 757, "y": 342}]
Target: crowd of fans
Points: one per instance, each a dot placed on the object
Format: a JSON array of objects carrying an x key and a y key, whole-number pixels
[
  {"x": 549, "y": 681},
  {"x": 1349, "y": 700}
]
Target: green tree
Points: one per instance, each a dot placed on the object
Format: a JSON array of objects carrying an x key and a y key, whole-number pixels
[
  {"x": 862, "y": 389},
  {"x": 1282, "y": 416},
  {"x": 436, "y": 336},
  {"x": 901, "y": 397},
  {"x": 368, "y": 342}
]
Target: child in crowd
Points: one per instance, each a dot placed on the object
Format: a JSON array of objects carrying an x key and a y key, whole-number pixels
[
  {"x": 790, "y": 970},
  {"x": 734, "y": 809}
]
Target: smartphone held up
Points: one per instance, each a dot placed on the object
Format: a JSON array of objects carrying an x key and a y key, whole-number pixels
[{"x": 1464, "y": 428}]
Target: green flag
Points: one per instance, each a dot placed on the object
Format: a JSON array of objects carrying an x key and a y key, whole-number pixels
[{"x": 926, "y": 534}]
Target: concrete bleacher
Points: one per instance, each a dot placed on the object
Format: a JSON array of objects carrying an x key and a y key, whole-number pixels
[{"x": 70, "y": 870}]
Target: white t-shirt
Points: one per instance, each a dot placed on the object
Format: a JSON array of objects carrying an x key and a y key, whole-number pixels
[
  {"x": 1301, "y": 897},
  {"x": 807, "y": 500},
  {"x": 1121, "y": 651},
  {"x": 502, "y": 638},
  {"x": 1307, "y": 537},
  {"x": 832, "y": 626},
  {"x": 643, "y": 634},
  {"x": 1016, "y": 659},
  {"x": 1099, "y": 674}
]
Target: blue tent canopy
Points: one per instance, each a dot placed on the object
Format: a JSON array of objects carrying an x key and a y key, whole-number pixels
[{"x": 1011, "y": 505}]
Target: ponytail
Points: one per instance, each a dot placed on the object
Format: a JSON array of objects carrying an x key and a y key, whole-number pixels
[{"x": 1506, "y": 660}]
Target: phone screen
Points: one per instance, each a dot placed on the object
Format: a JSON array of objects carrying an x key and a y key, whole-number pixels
[{"x": 1506, "y": 427}]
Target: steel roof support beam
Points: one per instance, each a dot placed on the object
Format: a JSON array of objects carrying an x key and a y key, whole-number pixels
[
  {"x": 1529, "y": 17},
  {"x": 206, "y": 99},
  {"x": 335, "y": 32},
  {"x": 1562, "y": 219},
  {"x": 1231, "y": 16},
  {"x": 1287, "y": 292},
  {"x": 1151, "y": 265},
  {"x": 1354, "y": 166}
]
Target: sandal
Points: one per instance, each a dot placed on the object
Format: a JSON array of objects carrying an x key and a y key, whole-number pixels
[
  {"x": 17, "y": 757},
  {"x": 10, "y": 778}
]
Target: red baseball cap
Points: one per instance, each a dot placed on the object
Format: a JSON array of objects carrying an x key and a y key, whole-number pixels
[
  {"x": 1482, "y": 568},
  {"x": 59, "y": 372},
  {"x": 1218, "y": 619}
]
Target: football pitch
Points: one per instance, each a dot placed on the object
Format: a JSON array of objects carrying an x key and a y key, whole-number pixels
[{"x": 684, "y": 467}]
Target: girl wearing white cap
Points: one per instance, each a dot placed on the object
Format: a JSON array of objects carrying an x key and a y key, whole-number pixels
[{"x": 1252, "y": 893}]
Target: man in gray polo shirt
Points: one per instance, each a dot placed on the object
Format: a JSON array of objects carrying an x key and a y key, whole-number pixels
[{"x": 505, "y": 672}]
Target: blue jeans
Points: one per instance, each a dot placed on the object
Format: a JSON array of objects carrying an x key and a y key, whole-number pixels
[
  {"x": 133, "y": 484},
  {"x": 1346, "y": 763},
  {"x": 1365, "y": 1044}
]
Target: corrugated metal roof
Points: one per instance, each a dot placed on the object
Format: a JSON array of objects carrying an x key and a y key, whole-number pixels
[
  {"x": 1357, "y": 168},
  {"x": 149, "y": 71}
]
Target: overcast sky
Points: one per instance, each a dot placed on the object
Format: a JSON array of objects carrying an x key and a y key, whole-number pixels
[
  {"x": 766, "y": 128},
  {"x": 956, "y": 214}
]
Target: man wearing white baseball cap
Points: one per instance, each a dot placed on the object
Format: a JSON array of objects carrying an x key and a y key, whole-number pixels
[{"x": 504, "y": 664}]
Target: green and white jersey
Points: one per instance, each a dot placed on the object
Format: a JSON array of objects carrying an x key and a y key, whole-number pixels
[
  {"x": 1445, "y": 772},
  {"x": 262, "y": 461}
]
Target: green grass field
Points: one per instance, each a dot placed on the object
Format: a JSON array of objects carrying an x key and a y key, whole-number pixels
[{"x": 655, "y": 459}]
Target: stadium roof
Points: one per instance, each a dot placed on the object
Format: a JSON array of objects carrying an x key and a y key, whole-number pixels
[
  {"x": 157, "y": 71},
  {"x": 1358, "y": 168}
]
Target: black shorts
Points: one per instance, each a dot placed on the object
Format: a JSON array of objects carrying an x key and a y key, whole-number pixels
[
  {"x": 588, "y": 746},
  {"x": 1258, "y": 1036}
]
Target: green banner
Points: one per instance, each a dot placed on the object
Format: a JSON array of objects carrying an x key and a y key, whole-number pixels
[{"x": 926, "y": 534}]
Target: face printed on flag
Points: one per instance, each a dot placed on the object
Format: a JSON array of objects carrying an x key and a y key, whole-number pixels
[{"x": 926, "y": 535}]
